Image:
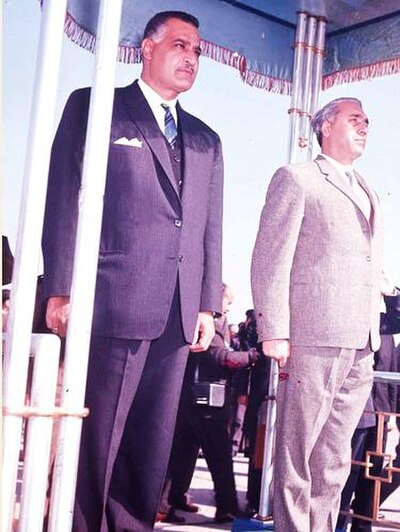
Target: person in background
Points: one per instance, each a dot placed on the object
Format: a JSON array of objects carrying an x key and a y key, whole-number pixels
[
  {"x": 316, "y": 281},
  {"x": 388, "y": 488},
  {"x": 383, "y": 398},
  {"x": 158, "y": 283},
  {"x": 5, "y": 308},
  {"x": 234, "y": 336},
  {"x": 7, "y": 262},
  {"x": 203, "y": 424}
]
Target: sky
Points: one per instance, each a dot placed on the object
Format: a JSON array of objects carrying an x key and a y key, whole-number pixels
[{"x": 252, "y": 123}]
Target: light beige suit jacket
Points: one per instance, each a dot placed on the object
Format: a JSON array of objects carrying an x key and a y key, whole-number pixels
[{"x": 317, "y": 260}]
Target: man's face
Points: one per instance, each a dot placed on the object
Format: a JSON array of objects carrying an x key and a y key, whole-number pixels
[
  {"x": 346, "y": 136},
  {"x": 171, "y": 61}
]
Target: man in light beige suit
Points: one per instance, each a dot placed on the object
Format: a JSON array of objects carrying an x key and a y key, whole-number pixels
[{"x": 316, "y": 276}]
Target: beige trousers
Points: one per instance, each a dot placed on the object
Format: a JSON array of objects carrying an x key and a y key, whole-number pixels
[{"x": 320, "y": 399}]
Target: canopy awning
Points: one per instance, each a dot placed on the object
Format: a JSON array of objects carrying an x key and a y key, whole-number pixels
[{"x": 256, "y": 36}]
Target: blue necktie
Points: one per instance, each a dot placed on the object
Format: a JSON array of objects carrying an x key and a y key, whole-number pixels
[{"x": 170, "y": 127}]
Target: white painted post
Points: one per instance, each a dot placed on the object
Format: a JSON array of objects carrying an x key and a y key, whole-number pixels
[
  {"x": 28, "y": 243},
  {"x": 45, "y": 349},
  {"x": 85, "y": 265}
]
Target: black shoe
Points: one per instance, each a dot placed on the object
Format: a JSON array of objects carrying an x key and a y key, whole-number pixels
[
  {"x": 171, "y": 517},
  {"x": 223, "y": 517},
  {"x": 187, "y": 507}
]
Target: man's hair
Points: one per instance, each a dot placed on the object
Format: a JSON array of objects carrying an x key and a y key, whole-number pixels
[
  {"x": 160, "y": 19},
  {"x": 328, "y": 113}
]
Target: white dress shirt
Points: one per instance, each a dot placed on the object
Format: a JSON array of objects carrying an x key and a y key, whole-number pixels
[
  {"x": 155, "y": 100},
  {"x": 346, "y": 169}
]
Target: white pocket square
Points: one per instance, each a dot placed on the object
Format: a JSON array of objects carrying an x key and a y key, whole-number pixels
[{"x": 135, "y": 142}]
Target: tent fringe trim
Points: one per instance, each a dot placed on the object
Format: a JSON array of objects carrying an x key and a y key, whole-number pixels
[
  {"x": 236, "y": 60},
  {"x": 225, "y": 56},
  {"x": 388, "y": 67},
  {"x": 220, "y": 54}
]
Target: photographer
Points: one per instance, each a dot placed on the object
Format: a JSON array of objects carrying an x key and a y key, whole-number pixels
[{"x": 202, "y": 422}]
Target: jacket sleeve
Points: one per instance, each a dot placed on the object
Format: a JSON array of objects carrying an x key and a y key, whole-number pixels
[
  {"x": 223, "y": 355},
  {"x": 61, "y": 212},
  {"x": 273, "y": 253},
  {"x": 212, "y": 276}
]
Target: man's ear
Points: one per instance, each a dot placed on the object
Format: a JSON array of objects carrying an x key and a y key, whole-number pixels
[
  {"x": 147, "y": 48},
  {"x": 326, "y": 128}
]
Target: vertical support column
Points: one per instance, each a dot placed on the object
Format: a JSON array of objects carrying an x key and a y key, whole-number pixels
[
  {"x": 294, "y": 111},
  {"x": 304, "y": 132},
  {"x": 45, "y": 349},
  {"x": 265, "y": 510},
  {"x": 317, "y": 75},
  {"x": 85, "y": 265},
  {"x": 28, "y": 243}
]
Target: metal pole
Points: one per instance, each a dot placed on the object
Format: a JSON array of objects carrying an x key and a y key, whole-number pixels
[
  {"x": 45, "y": 349},
  {"x": 304, "y": 132},
  {"x": 294, "y": 110},
  {"x": 265, "y": 509},
  {"x": 317, "y": 75},
  {"x": 28, "y": 242},
  {"x": 85, "y": 266}
]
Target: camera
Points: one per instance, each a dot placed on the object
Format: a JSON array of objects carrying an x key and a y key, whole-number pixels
[{"x": 209, "y": 393}]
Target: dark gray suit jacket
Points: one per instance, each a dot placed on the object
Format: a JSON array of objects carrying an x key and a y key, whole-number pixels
[{"x": 150, "y": 235}]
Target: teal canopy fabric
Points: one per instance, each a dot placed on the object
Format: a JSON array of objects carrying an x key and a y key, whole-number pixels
[{"x": 257, "y": 36}]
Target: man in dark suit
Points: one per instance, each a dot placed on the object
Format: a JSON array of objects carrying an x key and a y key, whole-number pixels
[{"x": 159, "y": 272}]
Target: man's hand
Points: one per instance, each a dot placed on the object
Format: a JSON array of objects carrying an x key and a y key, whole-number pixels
[
  {"x": 277, "y": 349},
  {"x": 57, "y": 314},
  {"x": 243, "y": 400},
  {"x": 387, "y": 286},
  {"x": 204, "y": 332}
]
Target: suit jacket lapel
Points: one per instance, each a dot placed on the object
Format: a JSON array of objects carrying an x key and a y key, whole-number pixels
[
  {"x": 371, "y": 196},
  {"x": 143, "y": 117},
  {"x": 188, "y": 139},
  {"x": 334, "y": 177},
  {"x": 184, "y": 125}
]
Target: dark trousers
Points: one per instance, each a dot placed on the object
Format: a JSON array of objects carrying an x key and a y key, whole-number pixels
[
  {"x": 388, "y": 488},
  {"x": 357, "y": 453},
  {"x": 363, "y": 440},
  {"x": 364, "y": 489},
  {"x": 132, "y": 392},
  {"x": 194, "y": 430}
]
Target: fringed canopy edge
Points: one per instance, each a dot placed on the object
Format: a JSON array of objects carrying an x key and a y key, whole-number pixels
[
  {"x": 131, "y": 54},
  {"x": 388, "y": 67}
]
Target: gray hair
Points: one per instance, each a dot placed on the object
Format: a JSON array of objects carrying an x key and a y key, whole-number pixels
[{"x": 327, "y": 114}]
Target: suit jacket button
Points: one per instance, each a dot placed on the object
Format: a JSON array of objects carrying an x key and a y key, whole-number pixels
[
  {"x": 178, "y": 223},
  {"x": 180, "y": 258}
]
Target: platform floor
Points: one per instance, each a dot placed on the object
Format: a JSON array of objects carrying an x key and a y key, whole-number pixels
[{"x": 201, "y": 492}]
